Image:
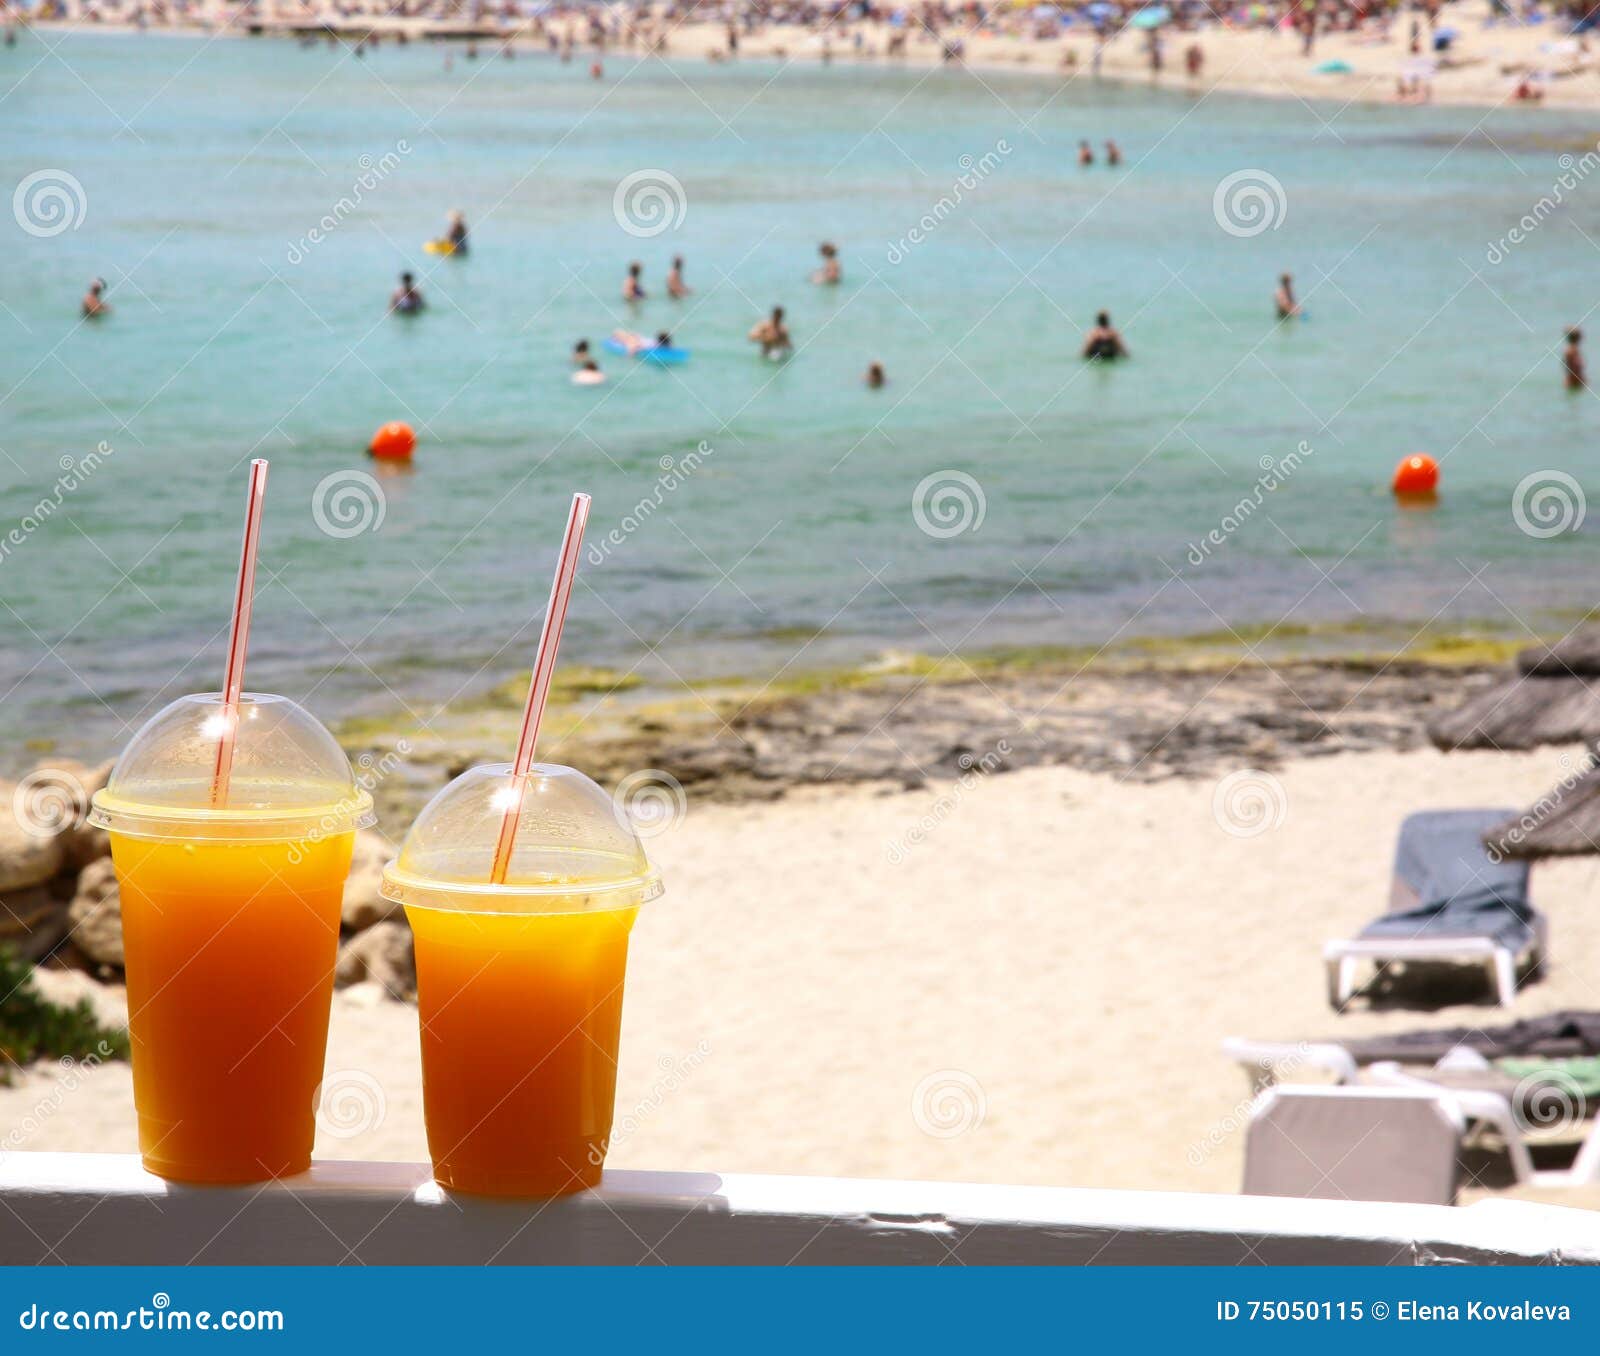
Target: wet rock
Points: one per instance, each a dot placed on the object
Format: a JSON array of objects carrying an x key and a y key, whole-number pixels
[{"x": 30, "y": 854}]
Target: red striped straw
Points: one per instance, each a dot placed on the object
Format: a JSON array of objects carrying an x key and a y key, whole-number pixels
[
  {"x": 544, "y": 667},
  {"x": 239, "y": 639}
]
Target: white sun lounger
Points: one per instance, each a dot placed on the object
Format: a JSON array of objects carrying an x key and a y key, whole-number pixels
[{"x": 1450, "y": 902}]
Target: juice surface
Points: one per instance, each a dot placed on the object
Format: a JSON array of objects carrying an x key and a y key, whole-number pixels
[
  {"x": 520, "y": 1020},
  {"x": 230, "y": 957}
]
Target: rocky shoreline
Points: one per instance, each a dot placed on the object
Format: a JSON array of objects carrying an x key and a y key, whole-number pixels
[{"x": 58, "y": 895}]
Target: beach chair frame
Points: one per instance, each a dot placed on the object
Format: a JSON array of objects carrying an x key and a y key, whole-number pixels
[{"x": 1341, "y": 959}]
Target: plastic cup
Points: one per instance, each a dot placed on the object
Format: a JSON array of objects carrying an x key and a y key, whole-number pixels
[
  {"x": 230, "y": 919},
  {"x": 520, "y": 984}
]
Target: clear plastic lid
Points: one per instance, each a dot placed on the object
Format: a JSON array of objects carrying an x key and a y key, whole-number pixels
[
  {"x": 289, "y": 778},
  {"x": 575, "y": 850}
]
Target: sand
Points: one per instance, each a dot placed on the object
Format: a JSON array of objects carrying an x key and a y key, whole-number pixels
[
  {"x": 1035, "y": 992},
  {"x": 1483, "y": 67}
]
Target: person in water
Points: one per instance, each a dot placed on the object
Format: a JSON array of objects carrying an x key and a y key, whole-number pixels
[
  {"x": 875, "y": 377},
  {"x": 1284, "y": 300},
  {"x": 1103, "y": 341},
  {"x": 1572, "y": 361},
  {"x": 1113, "y": 153},
  {"x": 830, "y": 272},
  {"x": 1085, "y": 155},
  {"x": 457, "y": 232},
  {"x": 588, "y": 374},
  {"x": 771, "y": 334},
  {"x": 580, "y": 353},
  {"x": 663, "y": 340},
  {"x": 406, "y": 299},
  {"x": 632, "y": 289},
  {"x": 94, "y": 299},
  {"x": 676, "y": 287}
]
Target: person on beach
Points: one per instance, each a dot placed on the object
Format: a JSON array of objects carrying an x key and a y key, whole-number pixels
[
  {"x": 1572, "y": 361},
  {"x": 771, "y": 334},
  {"x": 580, "y": 353},
  {"x": 1085, "y": 155},
  {"x": 632, "y": 289},
  {"x": 94, "y": 299},
  {"x": 875, "y": 377},
  {"x": 406, "y": 299},
  {"x": 1113, "y": 153},
  {"x": 830, "y": 272},
  {"x": 677, "y": 289},
  {"x": 1284, "y": 299},
  {"x": 1194, "y": 60},
  {"x": 1103, "y": 341},
  {"x": 456, "y": 234}
]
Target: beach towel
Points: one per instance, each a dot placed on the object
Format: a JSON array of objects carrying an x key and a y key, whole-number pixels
[{"x": 1446, "y": 884}]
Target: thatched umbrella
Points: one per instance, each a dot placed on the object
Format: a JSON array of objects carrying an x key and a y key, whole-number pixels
[{"x": 1552, "y": 697}]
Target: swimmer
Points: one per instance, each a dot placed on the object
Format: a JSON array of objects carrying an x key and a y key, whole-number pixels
[
  {"x": 596, "y": 71},
  {"x": 457, "y": 232},
  {"x": 875, "y": 377},
  {"x": 1113, "y": 153},
  {"x": 631, "y": 288},
  {"x": 93, "y": 300},
  {"x": 406, "y": 299},
  {"x": 580, "y": 353},
  {"x": 663, "y": 340},
  {"x": 676, "y": 287},
  {"x": 588, "y": 375},
  {"x": 1085, "y": 155},
  {"x": 635, "y": 344},
  {"x": 830, "y": 272},
  {"x": 1285, "y": 302},
  {"x": 771, "y": 334},
  {"x": 1103, "y": 341},
  {"x": 1572, "y": 361}
]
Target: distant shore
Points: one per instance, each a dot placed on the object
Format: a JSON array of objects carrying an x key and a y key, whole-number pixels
[{"x": 1482, "y": 67}]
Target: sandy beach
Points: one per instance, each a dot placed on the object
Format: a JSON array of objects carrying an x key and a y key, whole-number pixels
[
  {"x": 1483, "y": 66},
  {"x": 1031, "y": 986}
]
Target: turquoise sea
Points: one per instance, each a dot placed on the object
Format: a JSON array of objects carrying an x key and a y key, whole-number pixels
[{"x": 196, "y": 171}]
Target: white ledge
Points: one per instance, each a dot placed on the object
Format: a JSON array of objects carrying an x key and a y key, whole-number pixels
[{"x": 104, "y": 1209}]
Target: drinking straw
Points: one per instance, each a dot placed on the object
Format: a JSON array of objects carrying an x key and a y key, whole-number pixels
[
  {"x": 239, "y": 637},
  {"x": 544, "y": 666}
]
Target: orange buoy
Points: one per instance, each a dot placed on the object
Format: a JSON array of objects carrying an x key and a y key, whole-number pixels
[
  {"x": 393, "y": 442},
  {"x": 1416, "y": 475}
]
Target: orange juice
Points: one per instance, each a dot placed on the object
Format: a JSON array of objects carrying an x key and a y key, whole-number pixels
[
  {"x": 521, "y": 1015},
  {"x": 230, "y": 949}
]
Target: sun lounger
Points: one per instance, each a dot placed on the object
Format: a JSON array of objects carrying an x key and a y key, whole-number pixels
[
  {"x": 1265, "y": 1062},
  {"x": 1449, "y": 903},
  {"x": 1361, "y": 1144},
  {"x": 1555, "y": 1035}
]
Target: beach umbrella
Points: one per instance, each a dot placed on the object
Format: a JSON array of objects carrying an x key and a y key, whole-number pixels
[
  {"x": 1152, "y": 16},
  {"x": 1552, "y": 696},
  {"x": 1100, "y": 10}
]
